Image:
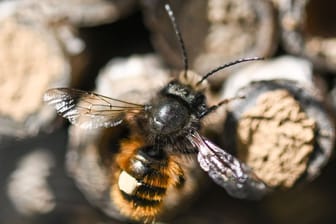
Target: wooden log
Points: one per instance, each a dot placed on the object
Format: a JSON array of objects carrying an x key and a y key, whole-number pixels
[
  {"x": 282, "y": 129},
  {"x": 29, "y": 182},
  {"x": 140, "y": 74},
  {"x": 215, "y": 32},
  {"x": 308, "y": 30}
]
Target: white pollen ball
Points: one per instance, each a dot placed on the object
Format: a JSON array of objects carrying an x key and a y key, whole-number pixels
[{"x": 127, "y": 183}]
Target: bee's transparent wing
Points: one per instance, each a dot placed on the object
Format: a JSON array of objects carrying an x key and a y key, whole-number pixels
[
  {"x": 227, "y": 171},
  {"x": 89, "y": 110}
]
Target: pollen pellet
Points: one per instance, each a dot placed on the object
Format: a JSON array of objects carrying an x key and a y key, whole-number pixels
[{"x": 127, "y": 183}]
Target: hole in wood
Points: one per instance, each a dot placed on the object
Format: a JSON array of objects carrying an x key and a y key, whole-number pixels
[{"x": 320, "y": 18}]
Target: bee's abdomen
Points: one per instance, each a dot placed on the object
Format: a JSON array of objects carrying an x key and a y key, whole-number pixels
[
  {"x": 150, "y": 193},
  {"x": 137, "y": 199},
  {"x": 140, "y": 185},
  {"x": 140, "y": 201},
  {"x": 139, "y": 192}
]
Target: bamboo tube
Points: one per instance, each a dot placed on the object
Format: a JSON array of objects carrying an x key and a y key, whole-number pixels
[
  {"x": 308, "y": 30},
  {"x": 215, "y": 32},
  {"x": 32, "y": 60},
  {"x": 283, "y": 129}
]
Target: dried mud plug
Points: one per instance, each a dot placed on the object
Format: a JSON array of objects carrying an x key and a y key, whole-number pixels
[{"x": 282, "y": 130}]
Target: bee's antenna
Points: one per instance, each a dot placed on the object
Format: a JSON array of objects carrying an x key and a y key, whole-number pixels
[
  {"x": 179, "y": 37},
  {"x": 227, "y": 65}
]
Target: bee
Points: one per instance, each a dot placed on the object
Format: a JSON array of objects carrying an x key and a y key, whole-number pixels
[{"x": 149, "y": 164}]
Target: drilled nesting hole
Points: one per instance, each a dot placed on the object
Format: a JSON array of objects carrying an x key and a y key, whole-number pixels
[{"x": 320, "y": 19}]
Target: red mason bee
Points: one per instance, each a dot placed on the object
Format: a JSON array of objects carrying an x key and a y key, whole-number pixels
[{"x": 162, "y": 131}]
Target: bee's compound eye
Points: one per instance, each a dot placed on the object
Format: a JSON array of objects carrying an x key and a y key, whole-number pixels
[
  {"x": 169, "y": 116},
  {"x": 127, "y": 183}
]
